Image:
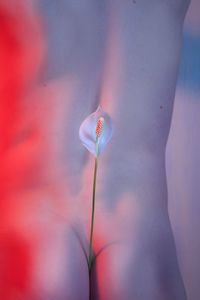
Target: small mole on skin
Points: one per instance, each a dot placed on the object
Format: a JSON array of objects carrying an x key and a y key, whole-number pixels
[
  {"x": 134, "y": 1},
  {"x": 161, "y": 107}
]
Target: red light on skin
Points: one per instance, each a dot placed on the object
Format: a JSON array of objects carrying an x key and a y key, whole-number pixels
[
  {"x": 99, "y": 127},
  {"x": 15, "y": 266}
]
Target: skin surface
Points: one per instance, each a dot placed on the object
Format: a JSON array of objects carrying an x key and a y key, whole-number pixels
[
  {"x": 132, "y": 212},
  {"x": 128, "y": 63}
]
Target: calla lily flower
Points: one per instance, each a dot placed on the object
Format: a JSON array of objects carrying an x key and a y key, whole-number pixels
[{"x": 96, "y": 130}]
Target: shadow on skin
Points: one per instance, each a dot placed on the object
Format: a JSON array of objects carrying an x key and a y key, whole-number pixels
[{"x": 94, "y": 290}]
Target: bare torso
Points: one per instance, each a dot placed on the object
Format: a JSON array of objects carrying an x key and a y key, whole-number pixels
[{"x": 128, "y": 62}]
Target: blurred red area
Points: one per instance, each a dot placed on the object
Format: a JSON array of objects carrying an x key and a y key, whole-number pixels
[
  {"x": 20, "y": 55},
  {"x": 15, "y": 259},
  {"x": 20, "y": 58}
]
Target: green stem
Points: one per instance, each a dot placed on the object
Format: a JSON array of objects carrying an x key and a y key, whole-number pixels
[{"x": 90, "y": 259}]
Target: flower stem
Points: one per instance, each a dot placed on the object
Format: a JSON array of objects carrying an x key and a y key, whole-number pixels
[{"x": 90, "y": 259}]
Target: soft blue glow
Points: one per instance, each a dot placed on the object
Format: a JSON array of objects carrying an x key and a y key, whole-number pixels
[{"x": 189, "y": 72}]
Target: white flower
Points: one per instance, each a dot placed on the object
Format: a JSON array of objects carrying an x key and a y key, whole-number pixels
[{"x": 96, "y": 130}]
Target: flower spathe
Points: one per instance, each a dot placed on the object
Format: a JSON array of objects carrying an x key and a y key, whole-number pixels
[{"x": 96, "y": 128}]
